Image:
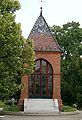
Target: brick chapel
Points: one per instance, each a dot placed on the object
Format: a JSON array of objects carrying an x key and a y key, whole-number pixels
[{"x": 44, "y": 82}]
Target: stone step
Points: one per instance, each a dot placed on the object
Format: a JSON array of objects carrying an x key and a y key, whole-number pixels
[
  {"x": 40, "y": 103},
  {"x": 40, "y": 106}
]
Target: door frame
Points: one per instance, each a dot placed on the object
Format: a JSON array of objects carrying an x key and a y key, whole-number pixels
[{"x": 47, "y": 74}]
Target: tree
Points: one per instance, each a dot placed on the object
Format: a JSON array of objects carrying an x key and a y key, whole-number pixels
[
  {"x": 28, "y": 57},
  {"x": 70, "y": 37},
  {"x": 11, "y": 50}
]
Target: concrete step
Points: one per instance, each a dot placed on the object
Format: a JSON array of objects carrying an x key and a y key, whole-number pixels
[
  {"x": 40, "y": 106},
  {"x": 40, "y": 103}
]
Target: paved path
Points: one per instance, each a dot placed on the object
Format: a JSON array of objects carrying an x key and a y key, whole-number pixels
[{"x": 63, "y": 117}]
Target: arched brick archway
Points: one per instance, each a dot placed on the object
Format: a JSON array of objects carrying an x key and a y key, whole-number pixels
[{"x": 41, "y": 81}]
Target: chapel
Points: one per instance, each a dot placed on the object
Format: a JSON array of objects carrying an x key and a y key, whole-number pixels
[{"x": 44, "y": 82}]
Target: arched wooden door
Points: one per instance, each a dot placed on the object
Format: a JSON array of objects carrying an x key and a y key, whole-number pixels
[{"x": 40, "y": 82}]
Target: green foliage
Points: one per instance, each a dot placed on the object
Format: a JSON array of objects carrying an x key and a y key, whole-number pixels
[
  {"x": 13, "y": 108},
  {"x": 9, "y": 6},
  {"x": 70, "y": 37},
  {"x": 11, "y": 51},
  {"x": 28, "y": 57},
  {"x": 11, "y": 42},
  {"x": 2, "y": 105},
  {"x": 68, "y": 109},
  {"x": 7, "y": 107}
]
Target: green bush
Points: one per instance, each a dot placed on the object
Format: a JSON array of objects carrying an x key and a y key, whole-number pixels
[
  {"x": 68, "y": 109},
  {"x": 2, "y": 105},
  {"x": 6, "y": 107},
  {"x": 13, "y": 108}
]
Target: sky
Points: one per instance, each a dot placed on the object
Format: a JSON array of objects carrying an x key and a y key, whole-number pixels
[{"x": 56, "y": 12}]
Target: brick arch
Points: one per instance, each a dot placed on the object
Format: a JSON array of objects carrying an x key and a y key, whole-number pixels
[
  {"x": 45, "y": 61},
  {"x": 52, "y": 57}
]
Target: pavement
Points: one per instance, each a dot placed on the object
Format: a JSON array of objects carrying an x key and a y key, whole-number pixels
[{"x": 64, "y": 116}]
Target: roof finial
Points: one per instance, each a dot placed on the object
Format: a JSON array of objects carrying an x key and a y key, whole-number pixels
[{"x": 41, "y": 9}]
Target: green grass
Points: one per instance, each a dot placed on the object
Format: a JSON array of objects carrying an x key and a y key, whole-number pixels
[{"x": 68, "y": 109}]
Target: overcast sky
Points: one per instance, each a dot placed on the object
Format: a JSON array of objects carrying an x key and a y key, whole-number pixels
[{"x": 56, "y": 12}]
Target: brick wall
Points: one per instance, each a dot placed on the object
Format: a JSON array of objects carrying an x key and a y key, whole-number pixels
[{"x": 54, "y": 59}]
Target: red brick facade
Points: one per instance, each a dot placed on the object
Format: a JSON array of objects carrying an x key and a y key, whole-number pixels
[{"x": 54, "y": 59}]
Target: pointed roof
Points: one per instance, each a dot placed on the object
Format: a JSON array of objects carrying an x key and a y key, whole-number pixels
[{"x": 42, "y": 36}]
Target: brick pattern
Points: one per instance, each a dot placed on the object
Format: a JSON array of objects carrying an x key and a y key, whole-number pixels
[
  {"x": 24, "y": 92},
  {"x": 54, "y": 59}
]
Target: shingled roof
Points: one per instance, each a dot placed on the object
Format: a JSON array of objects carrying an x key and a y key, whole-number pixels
[{"x": 42, "y": 36}]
